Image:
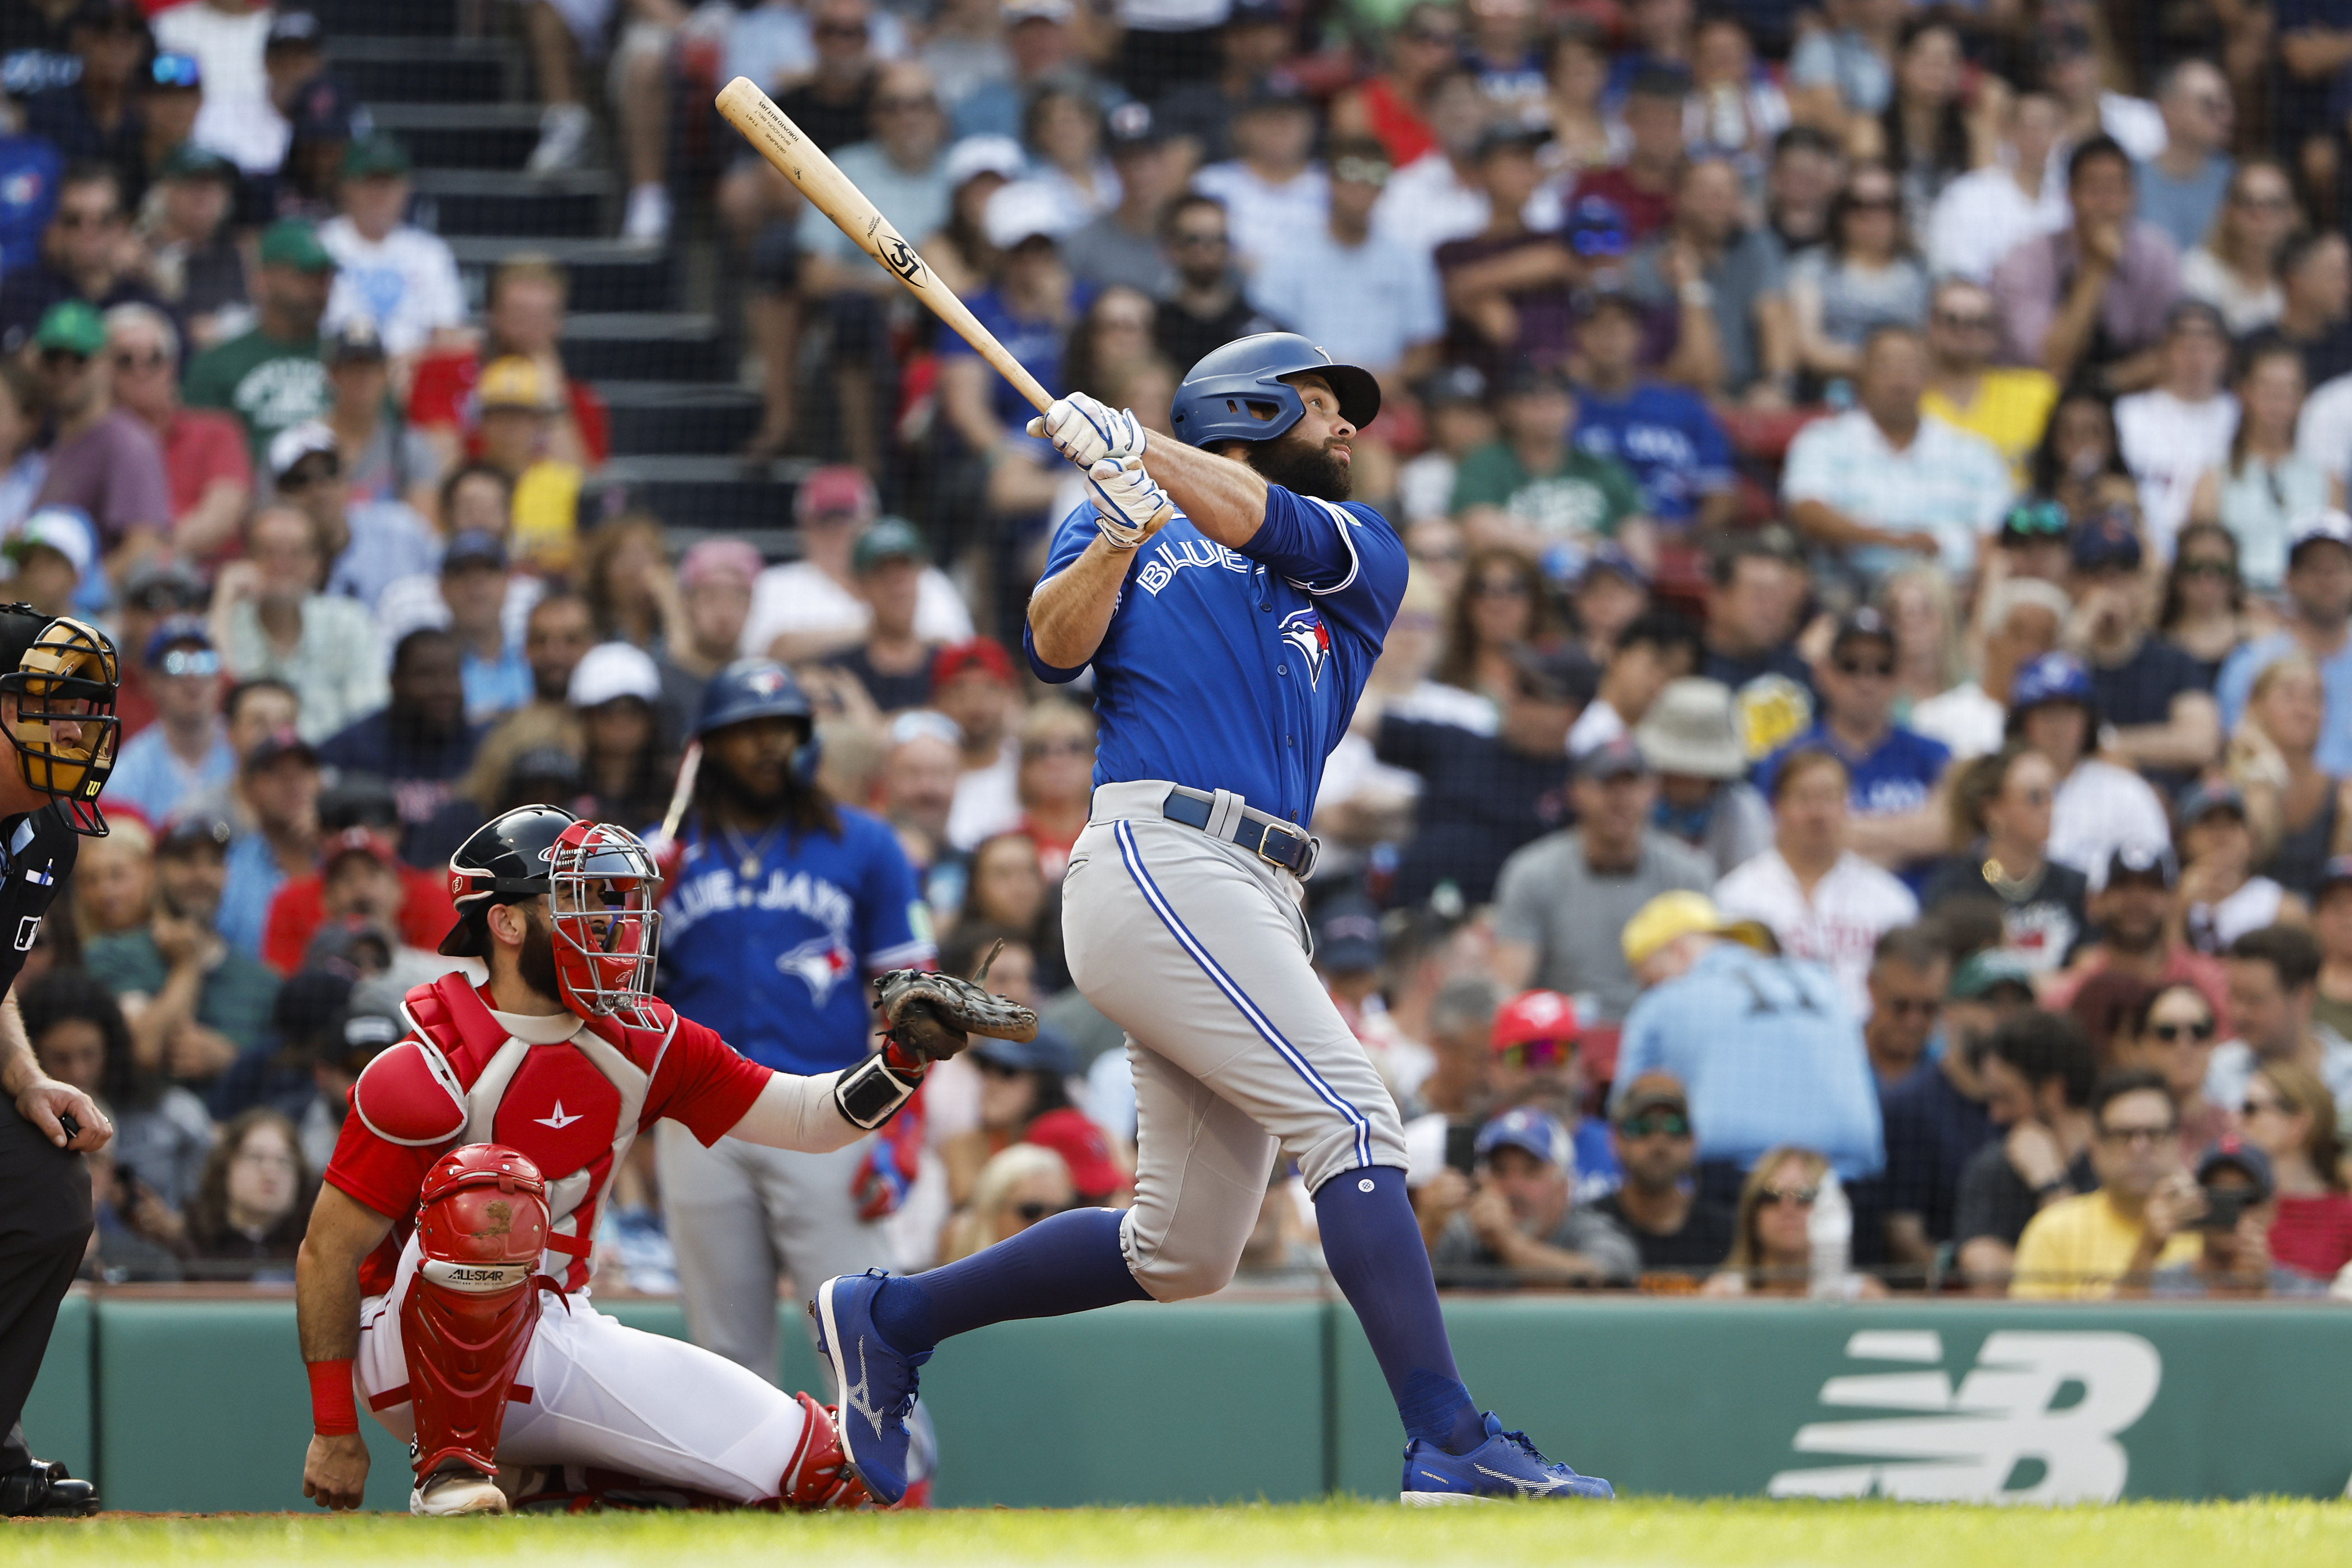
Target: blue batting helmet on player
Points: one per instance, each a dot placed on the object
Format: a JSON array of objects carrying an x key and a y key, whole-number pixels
[
  {"x": 759, "y": 688},
  {"x": 1236, "y": 392}
]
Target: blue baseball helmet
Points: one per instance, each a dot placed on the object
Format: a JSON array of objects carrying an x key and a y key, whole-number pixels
[
  {"x": 759, "y": 688},
  {"x": 2053, "y": 678},
  {"x": 1236, "y": 392}
]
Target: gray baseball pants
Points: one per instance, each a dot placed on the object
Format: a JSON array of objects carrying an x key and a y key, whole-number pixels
[
  {"x": 740, "y": 1216},
  {"x": 1200, "y": 951}
]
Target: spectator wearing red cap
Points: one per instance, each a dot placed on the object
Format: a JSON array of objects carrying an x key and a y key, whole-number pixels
[
  {"x": 811, "y": 607},
  {"x": 972, "y": 684},
  {"x": 359, "y": 881},
  {"x": 1535, "y": 1057}
]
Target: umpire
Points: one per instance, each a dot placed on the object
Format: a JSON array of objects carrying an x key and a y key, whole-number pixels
[{"x": 56, "y": 708}]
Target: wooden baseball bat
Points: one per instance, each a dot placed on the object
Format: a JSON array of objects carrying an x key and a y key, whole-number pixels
[{"x": 801, "y": 161}]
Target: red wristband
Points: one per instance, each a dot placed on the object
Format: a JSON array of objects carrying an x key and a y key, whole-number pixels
[
  {"x": 901, "y": 1060},
  {"x": 333, "y": 1412}
]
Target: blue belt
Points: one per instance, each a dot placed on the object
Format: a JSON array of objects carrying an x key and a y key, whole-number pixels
[{"x": 1275, "y": 842}]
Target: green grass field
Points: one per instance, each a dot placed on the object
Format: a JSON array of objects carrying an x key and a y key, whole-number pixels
[{"x": 1731, "y": 1534}]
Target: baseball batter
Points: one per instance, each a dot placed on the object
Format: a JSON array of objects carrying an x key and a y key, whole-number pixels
[
  {"x": 465, "y": 1188},
  {"x": 1230, "y": 601}
]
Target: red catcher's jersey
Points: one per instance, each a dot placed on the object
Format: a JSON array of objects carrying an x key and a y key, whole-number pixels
[{"x": 571, "y": 1107}]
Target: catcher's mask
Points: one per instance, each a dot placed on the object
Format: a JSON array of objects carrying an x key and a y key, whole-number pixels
[
  {"x": 601, "y": 888},
  {"x": 65, "y": 728},
  {"x": 600, "y": 885}
]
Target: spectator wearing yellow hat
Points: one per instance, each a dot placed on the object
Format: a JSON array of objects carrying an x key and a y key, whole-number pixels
[
  {"x": 1766, "y": 1047},
  {"x": 520, "y": 403}
]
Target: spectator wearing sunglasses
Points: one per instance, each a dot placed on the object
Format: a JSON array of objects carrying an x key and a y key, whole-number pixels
[
  {"x": 205, "y": 460},
  {"x": 2171, "y": 1034},
  {"x": 1865, "y": 278},
  {"x": 2204, "y": 612},
  {"x": 2135, "y": 906},
  {"x": 83, "y": 255},
  {"x": 368, "y": 546},
  {"x": 2100, "y": 1242},
  {"x": 186, "y": 750},
  {"x": 102, "y": 459},
  {"x": 2008, "y": 406},
  {"x": 1019, "y": 1186},
  {"x": 1521, "y": 1224},
  {"x": 2289, "y": 1115},
  {"x": 1656, "y": 1202},
  {"x": 1772, "y": 1245},
  {"x": 1896, "y": 774},
  {"x": 1535, "y": 1057}
]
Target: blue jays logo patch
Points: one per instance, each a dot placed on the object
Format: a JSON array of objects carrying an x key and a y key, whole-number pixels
[
  {"x": 823, "y": 963},
  {"x": 764, "y": 682},
  {"x": 1303, "y": 630}
]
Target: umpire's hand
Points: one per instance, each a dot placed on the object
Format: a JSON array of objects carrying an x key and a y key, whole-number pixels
[{"x": 45, "y": 1100}]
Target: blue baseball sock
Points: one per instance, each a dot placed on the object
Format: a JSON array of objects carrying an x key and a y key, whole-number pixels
[
  {"x": 1070, "y": 1263},
  {"x": 1374, "y": 1247}
]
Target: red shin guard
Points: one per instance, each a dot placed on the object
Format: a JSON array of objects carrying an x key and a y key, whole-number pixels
[
  {"x": 818, "y": 1475},
  {"x": 467, "y": 1317}
]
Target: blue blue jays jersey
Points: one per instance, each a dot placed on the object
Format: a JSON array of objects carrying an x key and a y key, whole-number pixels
[
  {"x": 1898, "y": 776},
  {"x": 777, "y": 963},
  {"x": 1239, "y": 669},
  {"x": 1667, "y": 436}
]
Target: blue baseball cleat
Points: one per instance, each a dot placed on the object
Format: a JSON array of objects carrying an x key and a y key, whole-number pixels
[
  {"x": 1504, "y": 1466},
  {"x": 877, "y": 1383}
]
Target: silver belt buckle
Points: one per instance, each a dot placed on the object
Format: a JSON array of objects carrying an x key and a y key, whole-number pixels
[{"x": 1288, "y": 831}]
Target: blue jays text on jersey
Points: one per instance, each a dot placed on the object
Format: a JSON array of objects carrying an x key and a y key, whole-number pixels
[
  {"x": 1239, "y": 669},
  {"x": 777, "y": 962}
]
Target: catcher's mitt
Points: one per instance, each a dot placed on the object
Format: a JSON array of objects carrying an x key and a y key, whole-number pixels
[{"x": 933, "y": 1016}]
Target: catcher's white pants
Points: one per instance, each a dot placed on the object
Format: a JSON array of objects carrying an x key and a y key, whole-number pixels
[
  {"x": 740, "y": 1216},
  {"x": 1200, "y": 951},
  {"x": 608, "y": 1396}
]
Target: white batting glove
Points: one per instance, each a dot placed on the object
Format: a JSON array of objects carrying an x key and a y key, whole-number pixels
[
  {"x": 1129, "y": 505},
  {"x": 1086, "y": 431}
]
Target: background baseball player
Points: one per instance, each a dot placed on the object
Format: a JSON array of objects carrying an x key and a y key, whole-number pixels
[
  {"x": 1229, "y": 644},
  {"x": 468, "y": 1178},
  {"x": 783, "y": 904}
]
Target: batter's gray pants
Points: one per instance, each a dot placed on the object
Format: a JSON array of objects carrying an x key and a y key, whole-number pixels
[
  {"x": 1199, "y": 952},
  {"x": 740, "y": 1216}
]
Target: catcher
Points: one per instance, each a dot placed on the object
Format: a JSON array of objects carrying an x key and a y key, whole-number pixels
[{"x": 444, "y": 1276}]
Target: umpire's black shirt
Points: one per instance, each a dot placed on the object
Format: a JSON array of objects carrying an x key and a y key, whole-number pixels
[{"x": 39, "y": 849}]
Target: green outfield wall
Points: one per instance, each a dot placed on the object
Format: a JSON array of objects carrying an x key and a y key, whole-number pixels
[{"x": 202, "y": 1405}]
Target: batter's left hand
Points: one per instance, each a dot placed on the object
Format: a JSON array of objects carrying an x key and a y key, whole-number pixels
[
  {"x": 1129, "y": 505},
  {"x": 1085, "y": 431},
  {"x": 45, "y": 1099}
]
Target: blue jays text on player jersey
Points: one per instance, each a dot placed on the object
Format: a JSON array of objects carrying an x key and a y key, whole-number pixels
[
  {"x": 1239, "y": 669},
  {"x": 777, "y": 963}
]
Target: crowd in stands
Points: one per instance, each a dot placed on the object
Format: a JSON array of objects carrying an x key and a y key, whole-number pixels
[{"x": 1874, "y": 478}]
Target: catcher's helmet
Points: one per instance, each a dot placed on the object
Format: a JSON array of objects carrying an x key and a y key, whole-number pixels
[
  {"x": 1236, "y": 392},
  {"x": 759, "y": 688},
  {"x": 61, "y": 670},
  {"x": 504, "y": 862}
]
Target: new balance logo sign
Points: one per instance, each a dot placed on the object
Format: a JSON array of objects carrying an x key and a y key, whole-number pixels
[
  {"x": 556, "y": 1120},
  {"x": 2035, "y": 1421}
]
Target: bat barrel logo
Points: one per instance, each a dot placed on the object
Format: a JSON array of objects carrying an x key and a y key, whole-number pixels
[{"x": 900, "y": 258}]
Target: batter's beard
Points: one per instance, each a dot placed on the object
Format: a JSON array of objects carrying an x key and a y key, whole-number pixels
[
  {"x": 1303, "y": 468},
  {"x": 536, "y": 962},
  {"x": 742, "y": 799}
]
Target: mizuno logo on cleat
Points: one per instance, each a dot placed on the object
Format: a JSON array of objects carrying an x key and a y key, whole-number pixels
[{"x": 1525, "y": 1489}]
